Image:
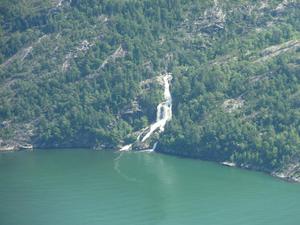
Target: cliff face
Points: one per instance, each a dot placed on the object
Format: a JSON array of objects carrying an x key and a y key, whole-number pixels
[{"x": 80, "y": 74}]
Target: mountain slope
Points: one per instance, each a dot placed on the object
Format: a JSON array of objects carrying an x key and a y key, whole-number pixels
[{"x": 82, "y": 74}]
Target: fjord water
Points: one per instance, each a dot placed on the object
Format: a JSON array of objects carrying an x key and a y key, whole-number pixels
[{"x": 78, "y": 187}]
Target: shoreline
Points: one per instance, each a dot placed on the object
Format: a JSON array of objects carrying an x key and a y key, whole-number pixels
[{"x": 276, "y": 174}]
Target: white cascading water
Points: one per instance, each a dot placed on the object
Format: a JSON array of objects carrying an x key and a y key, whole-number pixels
[
  {"x": 163, "y": 115},
  {"x": 164, "y": 110},
  {"x": 126, "y": 147}
]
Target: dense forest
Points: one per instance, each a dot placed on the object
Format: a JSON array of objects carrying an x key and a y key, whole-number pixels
[{"x": 81, "y": 73}]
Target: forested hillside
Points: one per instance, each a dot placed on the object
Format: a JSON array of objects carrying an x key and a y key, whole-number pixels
[{"x": 83, "y": 74}]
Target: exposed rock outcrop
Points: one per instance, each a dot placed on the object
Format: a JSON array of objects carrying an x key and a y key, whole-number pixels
[{"x": 291, "y": 172}]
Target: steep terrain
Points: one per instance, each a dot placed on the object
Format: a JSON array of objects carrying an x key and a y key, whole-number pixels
[{"x": 84, "y": 74}]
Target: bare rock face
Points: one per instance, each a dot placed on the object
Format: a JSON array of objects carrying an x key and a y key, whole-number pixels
[
  {"x": 290, "y": 172},
  {"x": 119, "y": 53},
  {"x": 21, "y": 137},
  {"x": 212, "y": 20},
  {"x": 275, "y": 50},
  {"x": 131, "y": 109},
  {"x": 231, "y": 105},
  {"x": 146, "y": 144},
  {"x": 83, "y": 47},
  {"x": 285, "y": 4}
]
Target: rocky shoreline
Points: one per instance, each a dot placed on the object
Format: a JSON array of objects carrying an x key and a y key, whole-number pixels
[
  {"x": 15, "y": 147},
  {"x": 290, "y": 173}
]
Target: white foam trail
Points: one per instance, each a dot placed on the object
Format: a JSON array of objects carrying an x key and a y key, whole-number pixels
[
  {"x": 146, "y": 150},
  {"x": 118, "y": 170}
]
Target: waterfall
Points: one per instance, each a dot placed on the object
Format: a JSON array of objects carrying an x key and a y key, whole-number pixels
[
  {"x": 164, "y": 110},
  {"x": 163, "y": 115}
]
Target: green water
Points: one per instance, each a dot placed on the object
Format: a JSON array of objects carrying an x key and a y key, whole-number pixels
[{"x": 78, "y": 187}]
